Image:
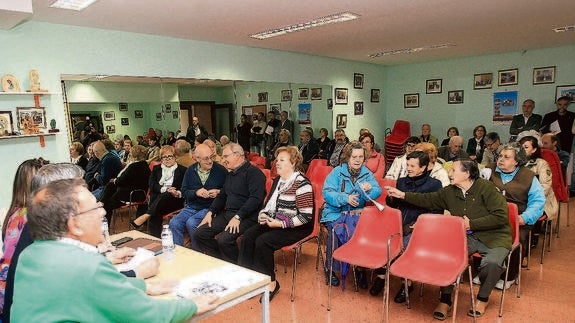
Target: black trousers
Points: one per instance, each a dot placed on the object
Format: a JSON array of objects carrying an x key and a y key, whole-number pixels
[
  {"x": 163, "y": 204},
  {"x": 214, "y": 241},
  {"x": 260, "y": 242},
  {"x": 515, "y": 259}
]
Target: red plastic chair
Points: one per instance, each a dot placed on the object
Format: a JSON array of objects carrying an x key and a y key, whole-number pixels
[
  {"x": 319, "y": 174},
  {"x": 259, "y": 162},
  {"x": 153, "y": 164},
  {"x": 313, "y": 164},
  {"x": 383, "y": 182},
  {"x": 376, "y": 242},
  {"x": 559, "y": 187},
  {"x": 137, "y": 198},
  {"x": 296, "y": 247},
  {"x": 436, "y": 255}
]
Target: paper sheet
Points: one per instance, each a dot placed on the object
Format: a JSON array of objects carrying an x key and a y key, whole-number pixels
[
  {"x": 554, "y": 127},
  {"x": 139, "y": 257}
]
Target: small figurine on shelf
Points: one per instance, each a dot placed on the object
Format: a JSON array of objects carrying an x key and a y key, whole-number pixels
[
  {"x": 35, "y": 82},
  {"x": 53, "y": 126}
]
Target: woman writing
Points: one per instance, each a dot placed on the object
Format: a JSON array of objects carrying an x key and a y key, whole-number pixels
[{"x": 286, "y": 218}]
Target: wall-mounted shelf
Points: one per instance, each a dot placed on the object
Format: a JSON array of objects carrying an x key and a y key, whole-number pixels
[{"x": 30, "y": 136}]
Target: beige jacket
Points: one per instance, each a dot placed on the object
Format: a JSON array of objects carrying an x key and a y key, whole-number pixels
[{"x": 541, "y": 169}]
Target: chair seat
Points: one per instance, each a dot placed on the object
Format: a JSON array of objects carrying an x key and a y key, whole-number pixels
[
  {"x": 403, "y": 267},
  {"x": 370, "y": 257}
]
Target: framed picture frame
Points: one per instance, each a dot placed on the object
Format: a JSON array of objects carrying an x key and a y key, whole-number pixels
[
  {"x": 6, "y": 123},
  {"x": 375, "y": 94},
  {"x": 10, "y": 83},
  {"x": 168, "y": 108},
  {"x": 341, "y": 121},
  {"x": 507, "y": 77},
  {"x": 433, "y": 86},
  {"x": 565, "y": 90},
  {"x": 286, "y": 95},
  {"x": 482, "y": 81},
  {"x": 158, "y": 116},
  {"x": 263, "y": 97},
  {"x": 125, "y": 121},
  {"x": 123, "y": 106},
  {"x": 175, "y": 114},
  {"x": 111, "y": 129},
  {"x": 303, "y": 93},
  {"x": 358, "y": 108},
  {"x": 276, "y": 107},
  {"x": 455, "y": 97},
  {"x": 544, "y": 75},
  {"x": 411, "y": 100},
  {"x": 316, "y": 93},
  {"x": 109, "y": 116},
  {"x": 138, "y": 114},
  {"x": 31, "y": 117},
  {"x": 357, "y": 81},
  {"x": 341, "y": 95},
  {"x": 329, "y": 103}
]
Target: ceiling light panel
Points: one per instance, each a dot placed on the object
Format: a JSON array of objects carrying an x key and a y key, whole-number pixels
[
  {"x": 77, "y": 5},
  {"x": 564, "y": 29},
  {"x": 409, "y": 50},
  {"x": 316, "y": 22}
]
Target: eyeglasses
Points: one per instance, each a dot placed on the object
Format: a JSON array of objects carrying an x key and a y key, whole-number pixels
[
  {"x": 99, "y": 205},
  {"x": 489, "y": 144},
  {"x": 410, "y": 145},
  {"x": 206, "y": 159},
  {"x": 228, "y": 155},
  {"x": 366, "y": 142},
  {"x": 168, "y": 157}
]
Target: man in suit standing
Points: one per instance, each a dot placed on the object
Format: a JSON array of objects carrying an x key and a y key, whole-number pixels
[
  {"x": 195, "y": 129},
  {"x": 565, "y": 120},
  {"x": 286, "y": 123},
  {"x": 526, "y": 121}
]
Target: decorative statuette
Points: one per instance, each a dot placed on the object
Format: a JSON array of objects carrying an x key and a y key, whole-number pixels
[
  {"x": 35, "y": 82},
  {"x": 53, "y": 126}
]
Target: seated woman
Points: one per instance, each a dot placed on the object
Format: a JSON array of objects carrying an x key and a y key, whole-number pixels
[
  {"x": 398, "y": 168},
  {"x": 346, "y": 189},
  {"x": 434, "y": 168},
  {"x": 165, "y": 182},
  {"x": 77, "y": 155},
  {"x": 132, "y": 177},
  {"x": 65, "y": 222},
  {"x": 475, "y": 145},
  {"x": 92, "y": 168},
  {"x": 153, "y": 153},
  {"x": 286, "y": 218},
  {"x": 375, "y": 161},
  {"x": 452, "y": 131},
  {"x": 323, "y": 141}
]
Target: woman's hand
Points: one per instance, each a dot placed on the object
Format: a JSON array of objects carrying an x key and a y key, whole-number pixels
[
  {"x": 365, "y": 186},
  {"x": 353, "y": 200}
]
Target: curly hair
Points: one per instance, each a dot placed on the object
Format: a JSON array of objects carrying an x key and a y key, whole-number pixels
[{"x": 295, "y": 156}]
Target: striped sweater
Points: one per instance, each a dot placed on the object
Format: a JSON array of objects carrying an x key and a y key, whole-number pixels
[{"x": 294, "y": 206}]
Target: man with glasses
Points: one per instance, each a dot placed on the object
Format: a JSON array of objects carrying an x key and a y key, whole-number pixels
[
  {"x": 336, "y": 147},
  {"x": 492, "y": 148},
  {"x": 453, "y": 150},
  {"x": 398, "y": 168},
  {"x": 234, "y": 209},
  {"x": 202, "y": 182}
]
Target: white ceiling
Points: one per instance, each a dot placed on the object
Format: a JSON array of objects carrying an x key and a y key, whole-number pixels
[{"x": 475, "y": 27}]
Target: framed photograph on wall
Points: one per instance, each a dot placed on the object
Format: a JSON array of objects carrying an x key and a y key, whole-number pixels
[
  {"x": 168, "y": 108},
  {"x": 565, "y": 90},
  {"x": 482, "y": 81},
  {"x": 411, "y": 100},
  {"x": 138, "y": 114},
  {"x": 263, "y": 97},
  {"x": 433, "y": 86},
  {"x": 175, "y": 114},
  {"x": 357, "y": 81},
  {"x": 123, "y": 106},
  {"x": 507, "y": 77},
  {"x": 125, "y": 121},
  {"x": 544, "y": 75},
  {"x": 31, "y": 117},
  {"x": 455, "y": 97},
  {"x": 303, "y": 94},
  {"x": 286, "y": 95},
  {"x": 358, "y": 108},
  {"x": 340, "y": 96},
  {"x": 6, "y": 123},
  {"x": 316, "y": 93},
  {"x": 329, "y": 103},
  {"x": 158, "y": 116},
  {"x": 111, "y": 129},
  {"x": 109, "y": 116},
  {"x": 341, "y": 121},
  {"x": 375, "y": 95},
  {"x": 276, "y": 107}
]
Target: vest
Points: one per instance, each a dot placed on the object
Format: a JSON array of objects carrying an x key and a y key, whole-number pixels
[{"x": 516, "y": 190}]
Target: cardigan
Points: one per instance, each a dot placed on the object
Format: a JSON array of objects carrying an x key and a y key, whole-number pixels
[
  {"x": 156, "y": 175},
  {"x": 420, "y": 184},
  {"x": 294, "y": 206},
  {"x": 192, "y": 184},
  {"x": 57, "y": 282}
]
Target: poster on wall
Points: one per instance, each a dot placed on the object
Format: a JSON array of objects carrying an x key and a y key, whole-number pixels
[
  {"x": 304, "y": 113},
  {"x": 504, "y": 107}
]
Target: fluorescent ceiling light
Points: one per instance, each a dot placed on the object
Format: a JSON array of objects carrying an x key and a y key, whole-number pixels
[
  {"x": 564, "y": 29},
  {"x": 409, "y": 50},
  {"x": 77, "y": 5},
  {"x": 317, "y": 22}
]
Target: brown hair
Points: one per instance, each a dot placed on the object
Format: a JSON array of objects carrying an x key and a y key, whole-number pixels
[
  {"x": 295, "y": 156},
  {"x": 429, "y": 149}
]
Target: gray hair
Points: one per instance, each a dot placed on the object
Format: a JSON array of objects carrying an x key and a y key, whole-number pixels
[
  {"x": 52, "y": 172},
  {"x": 520, "y": 155},
  {"x": 235, "y": 148}
]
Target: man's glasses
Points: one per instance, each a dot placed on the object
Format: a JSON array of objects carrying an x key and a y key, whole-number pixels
[
  {"x": 206, "y": 159},
  {"x": 168, "y": 157},
  {"x": 99, "y": 205}
]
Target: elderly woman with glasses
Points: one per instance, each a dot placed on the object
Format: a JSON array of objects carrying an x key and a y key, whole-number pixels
[
  {"x": 165, "y": 183},
  {"x": 133, "y": 177},
  {"x": 398, "y": 168},
  {"x": 375, "y": 161}
]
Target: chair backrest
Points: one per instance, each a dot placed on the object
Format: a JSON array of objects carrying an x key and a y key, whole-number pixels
[
  {"x": 439, "y": 236},
  {"x": 258, "y": 161},
  {"x": 153, "y": 164},
  {"x": 382, "y": 183},
  {"x": 313, "y": 164},
  {"x": 318, "y": 202},
  {"x": 513, "y": 222},
  {"x": 320, "y": 174},
  {"x": 401, "y": 128},
  {"x": 375, "y": 227},
  {"x": 557, "y": 181}
]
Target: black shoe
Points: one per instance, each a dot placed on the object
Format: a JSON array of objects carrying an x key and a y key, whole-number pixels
[
  {"x": 333, "y": 280},
  {"x": 377, "y": 286},
  {"x": 360, "y": 278},
  {"x": 273, "y": 292},
  {"x": 135, "y": 226},
  {"x": 534, "y": 241},
  {"x": 400, "y": 297}
]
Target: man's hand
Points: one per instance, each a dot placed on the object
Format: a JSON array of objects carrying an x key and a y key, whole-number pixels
[
  {"x": 161, "y": 287},
  {"x": 205, "y": 303},
  {"x": 202, "y": 192},
  {"x": 121, "y": 255},
  {"x": 207, "y": 219},
  {"x": 466, "y": 222},
  {"x": 233, "y": 226},
  {"x": 148, "y": 268},
  {"x": 394, "y": 192},
  {"x": 213, "y": 193}
]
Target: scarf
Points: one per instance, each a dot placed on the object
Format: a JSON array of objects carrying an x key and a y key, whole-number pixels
[
  {"x": 167, "y": 173},
  {"x": 283, "y": 185},
  {"x": 353, "y": 173}
]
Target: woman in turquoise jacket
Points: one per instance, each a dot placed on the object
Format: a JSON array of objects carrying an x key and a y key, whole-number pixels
[{"x": 346, "y": 189}]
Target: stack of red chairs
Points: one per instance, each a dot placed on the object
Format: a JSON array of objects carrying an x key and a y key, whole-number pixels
[{"x": 394, "y": 142}]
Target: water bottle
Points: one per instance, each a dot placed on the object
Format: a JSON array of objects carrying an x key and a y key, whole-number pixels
[
  {"x": 107, "y": 245},
  {"x": 168, "y": 246}
]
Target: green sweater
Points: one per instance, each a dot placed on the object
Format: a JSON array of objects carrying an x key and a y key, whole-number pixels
[
  {"x": 485, "y": 207},
  {"x": 59, "y": 282}
]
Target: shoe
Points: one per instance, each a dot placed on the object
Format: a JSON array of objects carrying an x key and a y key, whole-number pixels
[
  {"x": 441, "y": 311},
  {"x": 333, "y": 280},
  {"x": 400, "y": 297},
  {"x": 360, "y": 278},
  {"x": 273, "y": 292},
  {"x": 534, "y": 241},
  {"x": 524, "y": 262},
  {"x": 135, "y": 226},
  {"x": 476, "y": 280},
  {"x": 480, "y": 308},
  {"x": 377, "y": 286},
  {"x": 509, "y": 283}
]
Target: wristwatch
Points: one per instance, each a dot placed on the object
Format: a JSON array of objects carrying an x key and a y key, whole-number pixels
[{"x": 237, "y": 217}]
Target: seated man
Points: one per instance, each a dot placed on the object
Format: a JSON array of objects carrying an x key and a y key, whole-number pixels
[
  {"x": 183, "y": 156},
  {"x": 110, "y": 166},
  {"x": 520, "y": 186},
  {"x": 336, "y": 147},
  {"x": 550, "y": 141},
  {"x": 202, "y": 182},
  {"x": 492, "y": 148},
  {"x": 234, "y": 209},
  {"x": 485, "y": 215},
  {"x": 308, "y": 148},
  {"x": 454, "y": 150}
]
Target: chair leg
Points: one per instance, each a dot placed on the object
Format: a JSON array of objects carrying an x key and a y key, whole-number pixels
[
  {"x": 386, "y": 292},
  {"x": 284, "y": 260},
  {"x": 557, "y": 224},
  {"x": 471, "y": 292},
  {"x": 455, "y": 299},
  {"x": 518, "y": 278},
  {"x": 528, "y": 252},
  {"x": 294, "y": 273}
]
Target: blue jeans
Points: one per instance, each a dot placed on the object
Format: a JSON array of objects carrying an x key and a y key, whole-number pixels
[{"x": 188, "y": 219}]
